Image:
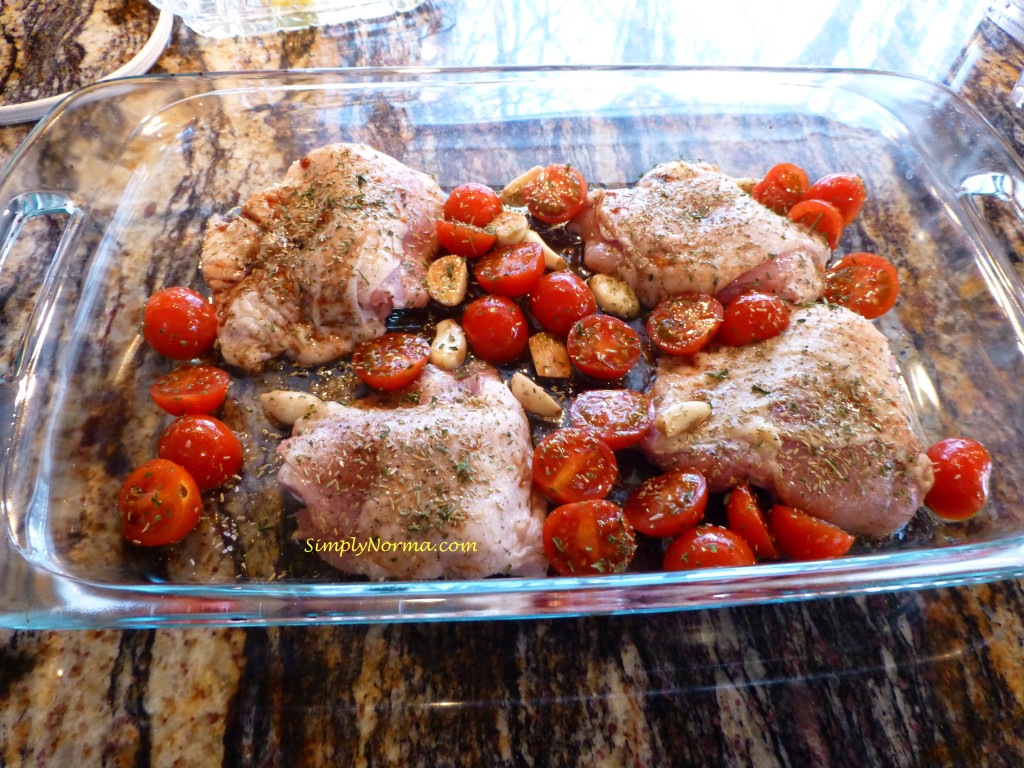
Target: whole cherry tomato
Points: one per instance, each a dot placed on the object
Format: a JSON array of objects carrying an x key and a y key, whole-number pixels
[
  {"x": 802, "y": 537},
  {"x": 745, "y": 517},
  {"x": 620, "y": 416},
  {"x": 510, "y": 271},
  {"x": 843, "y": 190},
  {"x": 472, "y": 203},
  {"x": 495, "y": 329},
  {"x": 205, "y": 446},
  {"x": 560, "y": 299},
  {"x": 179, "y": 323},
  {"x": 865, "y": 283},
  {"x": 574, "y": 465},
  {"x": 191, "y": 389},
  {"x": 667, "y": 504},
  {"x": 588, "y": 538},
  {"x": 707, "y": 546},
  {"x": 391, "y": 361},
  {"x": 962, "y": 467},
  {"x": 821, "y": 217},
  {"x": 782, "y": 187},
  {"x": 684, "y": 324},
  {"x": 753, "y": 316},
  {"x": 603, "y": 347},
  {"x": 159, "y": 504},
  {"x": 557, "y": 194}
]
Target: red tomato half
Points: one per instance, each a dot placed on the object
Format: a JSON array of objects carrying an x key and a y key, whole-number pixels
[
  {"x": 821, "y": 217},
  {"x": 708, "y": 546},
  {"x": 864, "y": 283},
  {"x": 179, "y": 323},
  {"x": 664, "y": 505},
  {"x": 843, "y": 190},
  {"x": 753, "y": 316},
  {"x": 962, "y": 467},
  {"x": 782, "y": 187},
  {"x": 588, "y": 538},
  {"x": 391, "y": 361},
  {"x": 511, "y": 271},
  {"x": 620, "y": 416},
  {"x": 557, "y": 194},
  {"x": 560, "y": 299},
  {"x": 495, "y": 329},
  {"x": 603, "y": 347},
  {"x": 472, "y": 203},
  {"x": 191, "y": 389},
  {"x": 464, "y": 239},
  {"x": 159, "y": 503},
  {"x": 683, "y": 324},
  {"x": 574, "y": 465},
  {"x": 206, "y": 447},
  {"x": 802, "y": 537},
  {"x": 745, "y": 518}
]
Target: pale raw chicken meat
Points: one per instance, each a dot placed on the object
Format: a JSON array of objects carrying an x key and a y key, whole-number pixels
[
  {"x": 444, "y": 461},
  {"x": 316, "y": 263},
  {"x": 688, "y": 227},
  {"x": 815, "y": 415}
]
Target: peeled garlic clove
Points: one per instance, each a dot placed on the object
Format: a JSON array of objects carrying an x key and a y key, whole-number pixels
[
  {"x": 514, "y": 193},
  {"x": 447, "y": 280},
  {"x": 533, "y": 399},
  {"x": 680, "y": 418},
  {"x": 288, "y": 406},
  {"x": 510, "y": 228},
  {"x": 552, "y": 261},
  {"x": 615, "y": 296},
  {"x": 550, "y": 357},
  {"x": 449, "y": 349}
]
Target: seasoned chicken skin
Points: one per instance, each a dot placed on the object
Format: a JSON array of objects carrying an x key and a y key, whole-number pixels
[
  {"x": 316, "y": 263},
  {"x": 688, "y": 227},
  {"x": 446, "y": 461},
  {"x": 815, "y": 415}
]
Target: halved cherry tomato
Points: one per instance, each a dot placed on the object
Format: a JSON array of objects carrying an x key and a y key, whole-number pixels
[
  {"x": 391, "y": 361},
  {"x": 802, "y": 537},
  {"x": 179, "y": 323},
  {"x": 557, "y": 194},
  {"x": 843, "y": 190},
  {"x": 665, "y": 505},
  {"x": 464, "y": 239},
  {"x": 191, "y": 389},
  {"x": 745, "y": 518},
  {"x": 782, "y": 187},
  {"x": 620, "y": 416},
  {"x": 495, "y": 329},
  {"x": 560, "y": 299},
  {"x": 511, "y": 271},
  {"x": 707, "y": 546},
  {"x": 865, "y": 283},
  {"x": 159, "y": 503},
  {"x": 206, "y": 447},
  {"x": 962, "y": 467},
  {"x": 472, "y": 203},
  {"x": 574, "y": 465},
  {"x": 684, "y": 324},
  {"x": 753, "y": 316},
  {"x": 821, "y": 217},
  {"x": 588, "y": 538},
  {"x": 603, "y": 347}
]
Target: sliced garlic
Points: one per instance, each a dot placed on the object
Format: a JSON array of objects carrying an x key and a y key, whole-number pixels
[
  {"x": 552, "y": 261},
  {"x": 514, "y": 192},
  {"x": 533, "y": 399},
  {"x": 550, "y": 357},
  {"x": 510, "y": 228},
  {"x": 447, "y": 280},
  {"x": 615, "y": 296},
  {"x": 682, "y": 417},
  {"x": 448, "y": 350},
  {"x": 288, "y": 406},
  {"x": 747, "y": 184}
]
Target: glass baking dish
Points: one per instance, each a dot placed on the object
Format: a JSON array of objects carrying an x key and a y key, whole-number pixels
[{"x": 107, "y": 201}]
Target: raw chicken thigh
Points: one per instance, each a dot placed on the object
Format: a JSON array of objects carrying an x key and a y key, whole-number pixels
[
  {"x": 688, "y": 227},
  {"x": 447, "y": 460},
  {"x": 815, "y": 415},
  {"x": 316, "y": 263}
]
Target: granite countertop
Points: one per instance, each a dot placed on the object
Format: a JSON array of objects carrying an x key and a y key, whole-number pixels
[{"x": 931, "y": 677}]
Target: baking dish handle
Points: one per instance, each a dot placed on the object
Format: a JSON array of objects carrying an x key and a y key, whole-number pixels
[
  {"x": 13, "y": 217},
  {"x": 1001, "y": 186}
]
